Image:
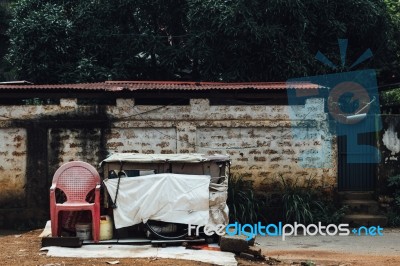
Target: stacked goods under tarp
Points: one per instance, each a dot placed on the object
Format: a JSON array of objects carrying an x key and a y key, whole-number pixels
[{"x": 185, "y": 188}]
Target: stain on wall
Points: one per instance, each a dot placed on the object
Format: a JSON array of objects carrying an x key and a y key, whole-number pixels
[
  {"x": 261, "y": 140},
  {"x": 75, "y": 144},
  {"x": 13, "y": 158}
]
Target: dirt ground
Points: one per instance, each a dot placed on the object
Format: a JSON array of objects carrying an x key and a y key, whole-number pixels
[
  {"x": 23, "y": 249},
  {"x": 333, "y": 259}
]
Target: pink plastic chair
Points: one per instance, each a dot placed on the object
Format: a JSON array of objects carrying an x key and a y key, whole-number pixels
[{"x": 76, "y": 179}]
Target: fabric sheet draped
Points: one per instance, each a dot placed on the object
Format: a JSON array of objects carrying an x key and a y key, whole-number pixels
[{"x": 174, "y": 198}]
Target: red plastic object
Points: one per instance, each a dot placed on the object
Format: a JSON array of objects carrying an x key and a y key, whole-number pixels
[{"x": 76, "y": 179}]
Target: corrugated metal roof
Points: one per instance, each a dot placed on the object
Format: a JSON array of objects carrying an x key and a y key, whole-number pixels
[{"x": 163, "y": 85}]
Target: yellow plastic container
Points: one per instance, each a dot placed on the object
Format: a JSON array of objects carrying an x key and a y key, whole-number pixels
[{"x": 106, "y": 227}]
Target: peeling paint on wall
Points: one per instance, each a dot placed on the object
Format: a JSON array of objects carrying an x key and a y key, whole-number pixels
[{"x": 12, "y": 167}]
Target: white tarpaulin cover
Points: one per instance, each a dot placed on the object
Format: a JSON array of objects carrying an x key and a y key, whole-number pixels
[
  {"x": 162, "y": 158},
  {"x": 173, "y": 198}
]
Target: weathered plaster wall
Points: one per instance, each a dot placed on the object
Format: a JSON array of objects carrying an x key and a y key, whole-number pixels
[
  {"x": 12, "y": 167},
  {"x": 263, "y": 142},
  {"x": 141, "y": 140},
  {"x": 68, "y": 144}
]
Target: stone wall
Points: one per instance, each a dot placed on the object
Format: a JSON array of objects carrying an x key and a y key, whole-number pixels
[
  {"x": 13, "y": 166},
  {"x": 264, "y": 141}
]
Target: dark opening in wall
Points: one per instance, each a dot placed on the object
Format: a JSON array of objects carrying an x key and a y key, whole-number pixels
[
  {"x": 246, "y": 101},
  {"x": 96, "y": 101},
  {"x": 30, "y": 101},
  {"x": 162, "y": 101}
]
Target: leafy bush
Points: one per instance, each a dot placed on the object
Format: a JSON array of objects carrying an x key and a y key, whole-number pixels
[
  {"x": 303, "y": 204},
  {"x": 394, "y": 181},
  {"x": 244, "y": 206},
  {"x": 393, "y": 218},
  {"x": 66, "y": 41},
  {"x": 394, "y": 214},
  {"x": 330, "y": 213},
  {"x": 292, "y": 203},
  {"x": 298, "y": 203}
]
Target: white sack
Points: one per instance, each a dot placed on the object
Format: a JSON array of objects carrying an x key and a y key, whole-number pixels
[{"x": 173, "y": 198}]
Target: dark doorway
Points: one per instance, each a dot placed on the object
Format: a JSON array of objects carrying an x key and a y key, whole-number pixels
[{"x": 357, "y": 176}]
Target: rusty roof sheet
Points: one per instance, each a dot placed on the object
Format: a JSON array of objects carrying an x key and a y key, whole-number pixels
[{"x": 163, "y": 85}]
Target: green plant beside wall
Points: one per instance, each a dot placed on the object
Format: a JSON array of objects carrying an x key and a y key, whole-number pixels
[
  {"x": 298, "y": 203},
  {"x": 291, "y": 203},
  {"x": 394, "y": 211},
  {"x": 307, "y": 204},
  {"x": 244, "y": 206}
]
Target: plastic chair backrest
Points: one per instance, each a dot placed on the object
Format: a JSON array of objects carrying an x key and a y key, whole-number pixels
[{"x": 76, "y": 179}]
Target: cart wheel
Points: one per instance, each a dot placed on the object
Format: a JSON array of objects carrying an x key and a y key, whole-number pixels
[{"x": 178, "y": 235}]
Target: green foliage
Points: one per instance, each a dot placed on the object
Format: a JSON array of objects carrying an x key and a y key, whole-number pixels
[
  {"x": 40, "y": 44},
  {"x": 280, "y": 38},
  {"x": 393, "y": 75},
  {"x": 297, "y": 206},
  {"x": 305, "y": 204},
  {"x": 393, "y": 218},
  {"x": 393, "y": 7},
  {"x": 394, "y": 181},
  {"x": 298, "y": 203},
  {"x": 243, "y": 205},
  {"x": 329, "y": 213},
  {"x": 5, "y": 16},
  {"x": 390, "y": 98},
  {"x": 394, "y": 212},
  {"x": 3, "y": 27},
  {"x": 79, "y": 41}
]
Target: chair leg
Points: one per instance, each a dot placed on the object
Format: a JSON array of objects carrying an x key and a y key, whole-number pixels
[
  {"x": 95, "y": 226},
  {"x": 54, "y": 223}
]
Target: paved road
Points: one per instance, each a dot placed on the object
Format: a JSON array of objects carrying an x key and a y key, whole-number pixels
[{"x": 388, "y": 244}]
